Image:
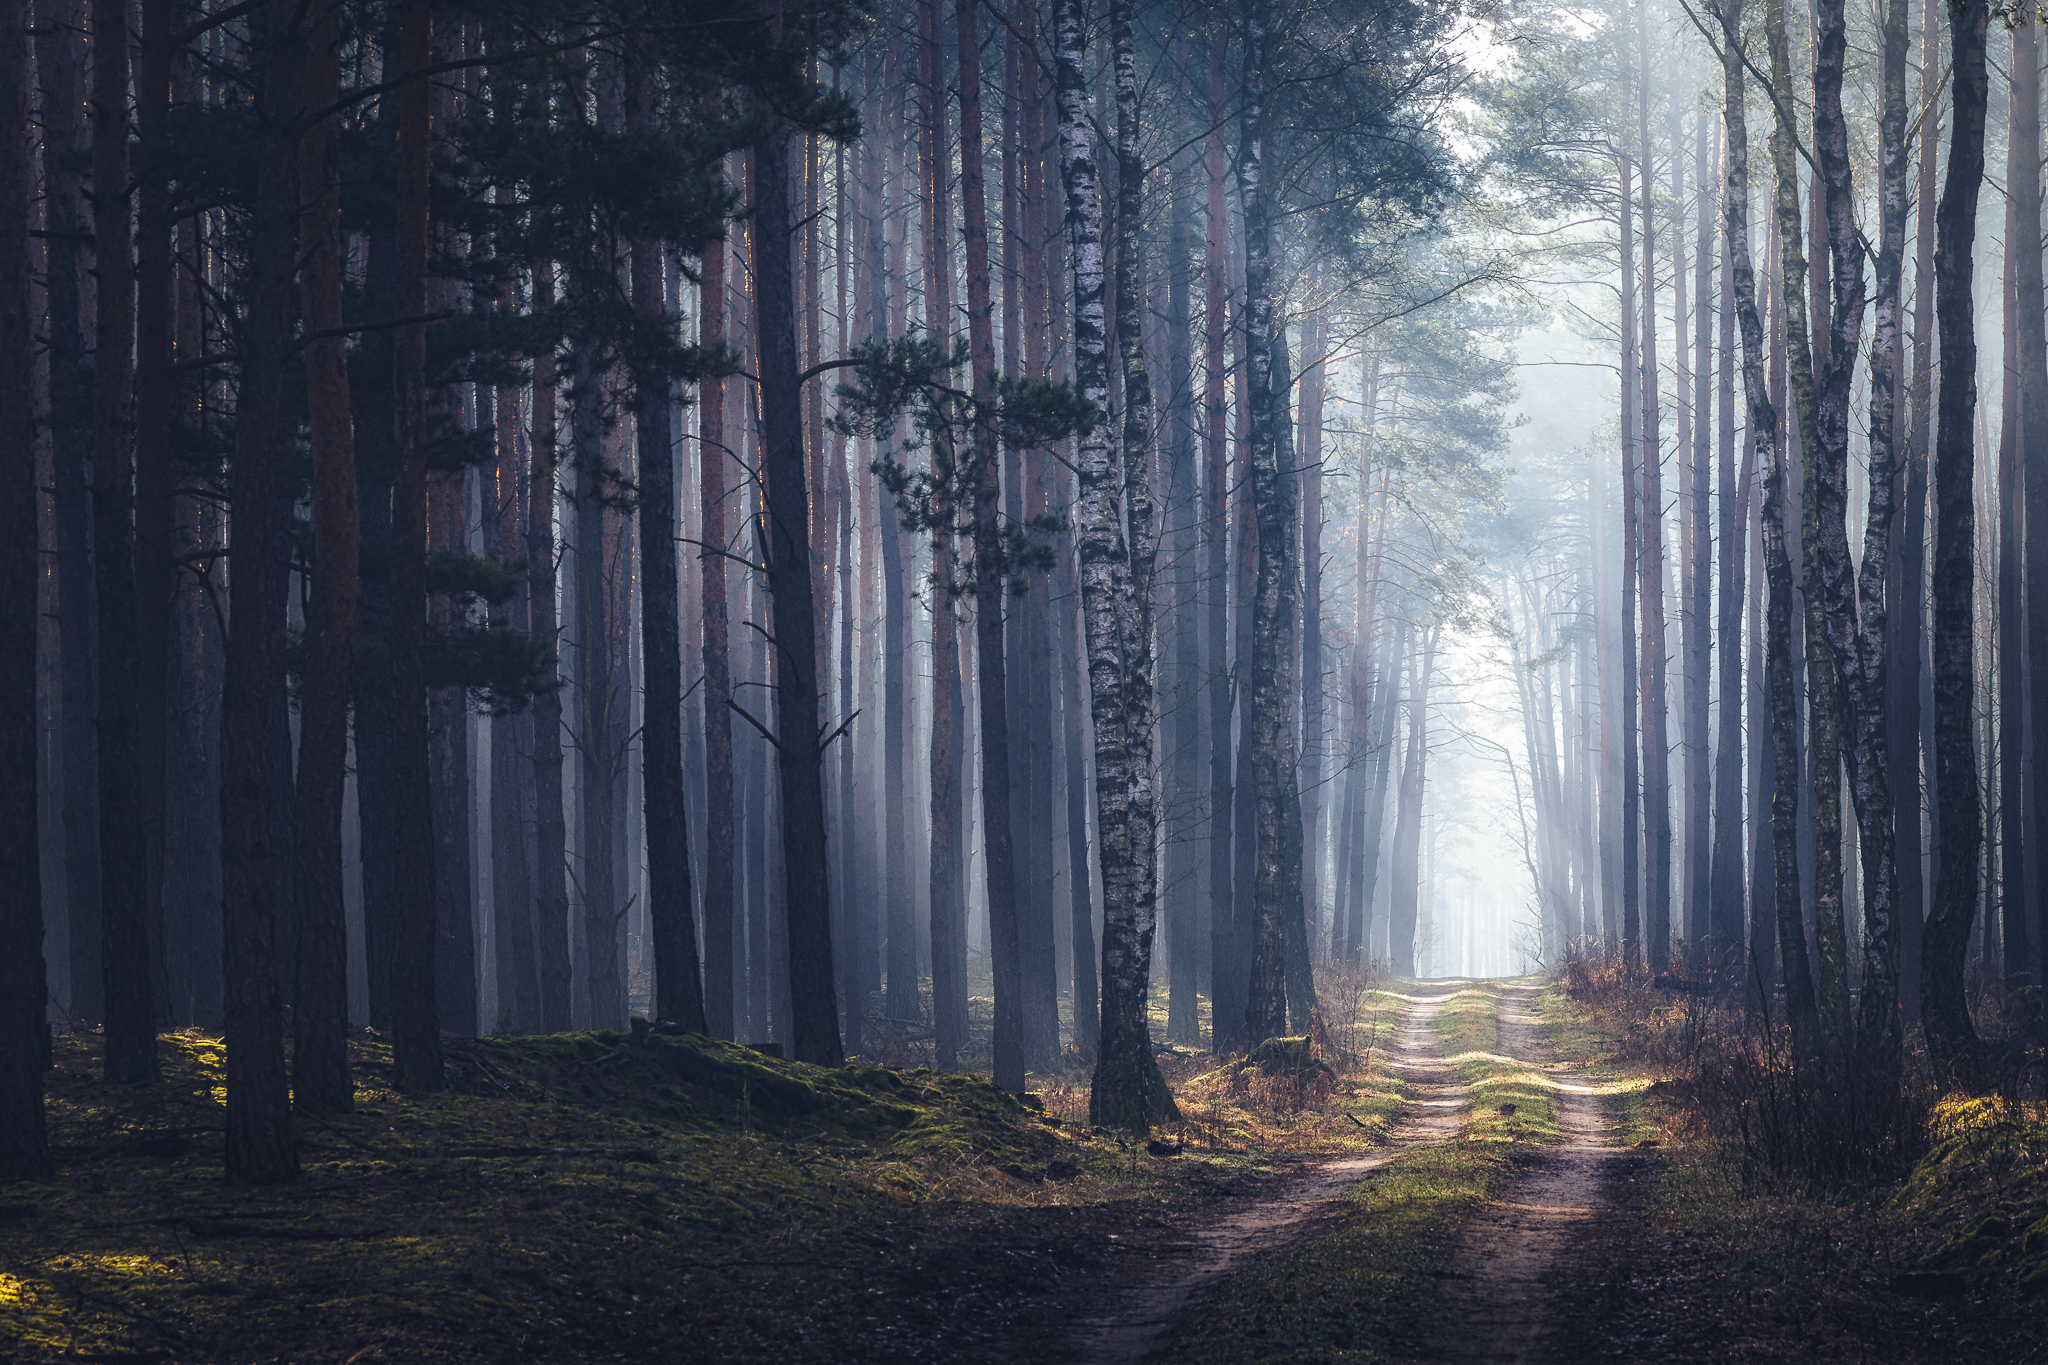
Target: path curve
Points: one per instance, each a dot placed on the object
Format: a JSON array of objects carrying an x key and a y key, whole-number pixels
[{"x": 1162, "y": 1275}]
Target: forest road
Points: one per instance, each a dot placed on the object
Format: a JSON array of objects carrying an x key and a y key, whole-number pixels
[
  {"x": 1161, "y": 1273},
  {"x": 1501, "y": 1303}
]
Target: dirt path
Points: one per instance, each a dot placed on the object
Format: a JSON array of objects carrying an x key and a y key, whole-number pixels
[
  {"x": 1499, "y": 1306},
  {"x": 1162, "y": 1273}
]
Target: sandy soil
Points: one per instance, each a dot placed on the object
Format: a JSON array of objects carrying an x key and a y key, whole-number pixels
[{"x": 1498, "y": 1302}]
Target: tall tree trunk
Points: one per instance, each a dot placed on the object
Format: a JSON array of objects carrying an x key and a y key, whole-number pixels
[
  {"x": 130, "y": 1032},
  {"x": 1652, "y": 659},
  {"x": 260, "y": 1146},
  {"x": 24, "y": 1032},
  {"x": 1822, "y": 698},
  {"x": 1764, "y": 429},
  {"x": 1698, "y": 553},
  {"x": 950, "y": 827},
  {"x": 1295, "y": 927},
  {"x": 320, "y": 1072},
  {"x": 1872, "y": 767},
  {"x": 994, "y": 714},
  {"x": 597, "y": 695},
  {"x": 1071, "y": 662},
  {"x": 1273, "y": 501},
  {"x": 1128, "y": 1090},
  {"x": 448, "y": 739},
  {"x": 2022, "y": 967},
  {"x": 1951, "y": 1038},
  {"x": 671, "y": 920},
  {"x": 512, "y": 805},
  {"x": 1631, "y": 800},
  {"x": 1226, "y": 970},
  {"x": 1912, "y": 757},
  {"x": 1313, "y": 740},
  {"x": 1725, "y": 889},
  {"x": 1403, "y": 900},
  {"x": 550, "y": 823},
  {"x": 415, "y": 1014},
  {"x": 1180, "y": 880},
  {"x": 60, "y": 56},
  {"x": 814, "y": 1022},
  {"x": 719, "y": 850},
  {"x": 1034, "y": 240},
  {"x": 1128, "y": 927},
  {"x": 1373, "y": 816},
  {"x": 1857, "y": 654},
  {"x": 156, "y": 566}
]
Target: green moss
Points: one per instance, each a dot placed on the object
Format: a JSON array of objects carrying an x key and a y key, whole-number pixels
[{"x": 557, "y": 1172}]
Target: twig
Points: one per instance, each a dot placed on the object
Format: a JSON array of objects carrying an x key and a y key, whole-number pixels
[{"x": 749, "y": 718}]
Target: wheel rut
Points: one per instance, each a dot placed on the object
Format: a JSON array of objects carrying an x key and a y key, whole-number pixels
[
  {"x": 1499, "y": 1303},
  {"x": 1161, "y": 1275}
]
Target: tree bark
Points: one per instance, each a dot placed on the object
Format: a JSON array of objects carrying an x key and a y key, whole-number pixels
[
  {"x": 1725, "y": 879},
  {"x": 2022, "y": 964},
  {"x": 1871, "y": 767},
  {"x": 1951, "y": 1038},
  {"x": 260, "y": 1146},
  {"x": 1403, "y": 900},
  {"x": 1314, "y": 741},
  {"x": 1631, "y": 799},
  {"x": 1272, "y": 500},
  {"x": 1909, "y": 677},
  {"x": 60, "y": 57},
  {"x": 671, "y": 920},
  {"x": 550, "y": 823},
  {"x": 1764, "y": 429},
  {"x": 321, "y": 1083},
  {"x": 1071, "y": 662},
  {"x": 712, "y": 457},
  {"x": 1856, "y": 650},
  {"x": 1650, "y": 569},
  {"x": 1698, "y": 555},
  {"x": 1005, "y": 952},
  {"x": 1182, "y": 742},
  {"x": 415, "y": 1015},
  {"x": 1128, "y": 1091},
  {"x": 24, "y": 1032},
  {"x": 1226, "y": 973},
  {"x": 156, "y": 566},
  {"x": 1296, "y": 931},
  {"x": 1822, "y": 690},
  {"x": 814, "y": 1023},
  {"x": 130, "y": 1026}
]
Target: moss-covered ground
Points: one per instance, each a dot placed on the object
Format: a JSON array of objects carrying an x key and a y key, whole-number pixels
[
  {"x": 561, "y": 1183},
  {"x": 577, "y": 1197}
]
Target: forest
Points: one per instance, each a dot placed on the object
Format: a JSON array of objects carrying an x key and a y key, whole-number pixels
[{"x": 1000, "y": 680}]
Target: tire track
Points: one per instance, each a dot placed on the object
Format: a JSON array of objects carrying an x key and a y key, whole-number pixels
[{"x": 1162, "y": 1274}]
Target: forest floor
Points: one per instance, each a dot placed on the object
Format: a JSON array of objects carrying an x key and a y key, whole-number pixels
[{"x": 1486, "y": 1171}]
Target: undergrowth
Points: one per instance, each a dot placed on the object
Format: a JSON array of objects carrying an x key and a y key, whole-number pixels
[{"x": 1925, "y": 1237}]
